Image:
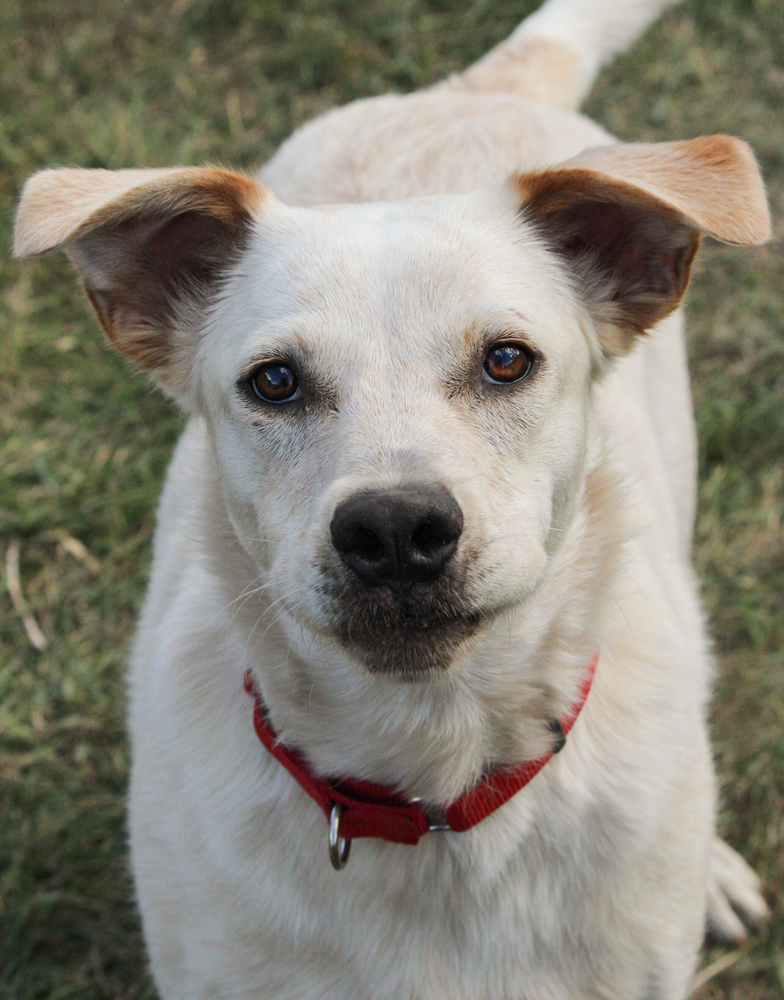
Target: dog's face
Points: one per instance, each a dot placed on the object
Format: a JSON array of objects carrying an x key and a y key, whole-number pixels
[{"x": 398, "y": 394}]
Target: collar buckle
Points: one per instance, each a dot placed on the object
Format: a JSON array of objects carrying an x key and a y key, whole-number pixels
[{"x": 436, "y": 818}]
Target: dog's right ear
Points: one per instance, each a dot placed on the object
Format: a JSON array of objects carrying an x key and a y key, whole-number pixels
[{"x": 151, "y": 246}]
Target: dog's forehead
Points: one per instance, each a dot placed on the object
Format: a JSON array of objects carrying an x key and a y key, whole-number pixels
[{"x": 442, "y": 267}]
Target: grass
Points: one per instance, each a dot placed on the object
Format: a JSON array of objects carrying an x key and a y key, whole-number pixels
[{"x": 84, "y": 442}]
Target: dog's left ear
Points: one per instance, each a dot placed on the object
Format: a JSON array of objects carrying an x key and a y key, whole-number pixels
[
  {"x": 151, "y": 246},
  {"x": 628, "y": 220}
]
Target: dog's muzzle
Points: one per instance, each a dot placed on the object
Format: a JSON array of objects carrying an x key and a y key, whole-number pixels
[{"x": 399, "y": 602}]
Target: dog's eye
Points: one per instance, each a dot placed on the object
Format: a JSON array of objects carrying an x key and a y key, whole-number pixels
[
  {"x": 274, "y": 383},
  {"x": 508, "y": 363}
]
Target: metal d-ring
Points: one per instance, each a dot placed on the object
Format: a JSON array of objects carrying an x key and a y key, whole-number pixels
[{"x": 339, "y": 847}]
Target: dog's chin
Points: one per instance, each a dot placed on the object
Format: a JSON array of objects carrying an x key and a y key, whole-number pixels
[{"x": 409, "y": 649}]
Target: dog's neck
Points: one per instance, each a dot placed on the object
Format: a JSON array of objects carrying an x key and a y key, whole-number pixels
[{"x": 435, "y": 737}]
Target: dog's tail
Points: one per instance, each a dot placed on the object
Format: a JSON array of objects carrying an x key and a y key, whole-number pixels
[{"x": 557, "y": 52}]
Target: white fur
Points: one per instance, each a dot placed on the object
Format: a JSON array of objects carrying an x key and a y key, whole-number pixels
[{"x": 592, "y": 882}]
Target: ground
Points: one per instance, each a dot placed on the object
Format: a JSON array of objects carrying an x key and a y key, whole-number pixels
[{"x": 84, "y": 442}]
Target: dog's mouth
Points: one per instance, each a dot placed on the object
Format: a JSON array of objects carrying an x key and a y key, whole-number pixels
[
  {"x": 407, "y": 642},
  {"x": 394, "y": 576}
]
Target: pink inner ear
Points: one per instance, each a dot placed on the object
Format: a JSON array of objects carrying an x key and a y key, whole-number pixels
[
  {"x": 624, "y": 253},
  {"x": 145, "y": 241},
  {"x": 139, "y": 269},
  {"x": 628, "y": 219}
]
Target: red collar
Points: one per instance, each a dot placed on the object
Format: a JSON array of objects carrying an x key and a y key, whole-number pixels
[{"x": 362, "y": 809}]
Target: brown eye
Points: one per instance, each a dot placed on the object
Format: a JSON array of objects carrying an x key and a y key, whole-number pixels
[
  {"x": 274, "y": 383},
  {"x": 508, "y": 363}
]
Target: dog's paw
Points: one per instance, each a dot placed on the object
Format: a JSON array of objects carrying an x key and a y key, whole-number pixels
[{"x": 735, "y": 901}]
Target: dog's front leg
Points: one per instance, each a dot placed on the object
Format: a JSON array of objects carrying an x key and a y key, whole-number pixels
[{"x": 735, "y": 902}]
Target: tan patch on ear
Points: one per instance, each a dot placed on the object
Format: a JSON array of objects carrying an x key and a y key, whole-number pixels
[
  {"x": 712, "y": 182},
  {"x": 628, "y": 219},
  {"x": 219, "y": 194},
  {"x": 58, "y": 206},
  {"x": 146, "y": 348},
  {"x": 150, "y": 244}
]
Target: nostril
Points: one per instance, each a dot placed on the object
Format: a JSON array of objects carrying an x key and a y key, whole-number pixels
[
  {"x": 432, "y": 537},
  {"x": 363, "y": 543}
]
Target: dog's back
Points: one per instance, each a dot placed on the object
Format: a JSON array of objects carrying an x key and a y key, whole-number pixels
[{"x": 512, "y": 110}]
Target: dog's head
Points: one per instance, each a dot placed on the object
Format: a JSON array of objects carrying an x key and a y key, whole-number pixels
[{"x": 398, "y": 394}]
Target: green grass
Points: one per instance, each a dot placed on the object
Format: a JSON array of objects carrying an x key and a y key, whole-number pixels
[{"x": 84, "y": 442}]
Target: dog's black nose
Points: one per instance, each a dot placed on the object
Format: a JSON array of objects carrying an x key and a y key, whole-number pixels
[{"x": 399, "y": 536}]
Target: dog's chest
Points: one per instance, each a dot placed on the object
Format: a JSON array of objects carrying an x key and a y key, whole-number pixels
[{"x": 489, "y": 913}]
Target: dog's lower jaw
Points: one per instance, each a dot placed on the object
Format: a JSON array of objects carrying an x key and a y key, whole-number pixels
[{"x": 410, "y": 652}]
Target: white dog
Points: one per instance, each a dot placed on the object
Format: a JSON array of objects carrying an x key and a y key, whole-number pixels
[{"x": 432, "y": 510}]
